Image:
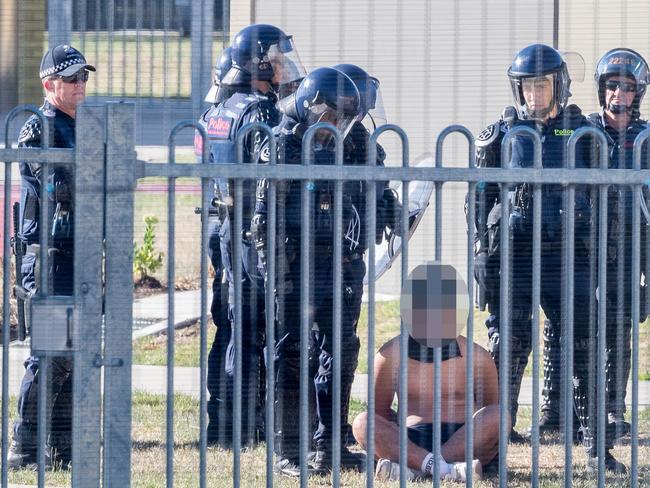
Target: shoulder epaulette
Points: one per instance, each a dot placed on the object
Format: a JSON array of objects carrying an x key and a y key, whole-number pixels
[{"x": 31, "y": 131}]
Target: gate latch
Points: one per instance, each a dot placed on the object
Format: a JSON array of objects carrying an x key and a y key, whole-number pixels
[{"x": 53, "y": 324}]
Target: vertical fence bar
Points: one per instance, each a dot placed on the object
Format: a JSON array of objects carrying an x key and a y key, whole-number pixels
[
  {"x": 338, "y": 310},
  {"x": 110, "y": 35},
  {"x": 206, "y": 194},
  {"x": 568, "y": 326},
  {"x": 637, "y": 200},
  {"x": 305, "y": 286},
  {"x": 537, "y": 276},
  {"x": 118, "y": 289},
  {"x": 171, "y": 280},
  {"x": 371, "y": 225},
  {"x": 88, "y": 293},
  {"x": 43, "y": 367},
  {"x": 236, "y": 231},
  {"x": 602, "y": 321},
  {"x": 6, "y": 272},
  {"x": 270, "y": 318},
  {"x": 403, "y": 343}
]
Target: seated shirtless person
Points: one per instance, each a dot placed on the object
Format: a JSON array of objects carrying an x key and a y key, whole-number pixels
[{"x": 420, "y": 411}]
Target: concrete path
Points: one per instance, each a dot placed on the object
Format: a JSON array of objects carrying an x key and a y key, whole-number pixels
[{"x": 150, "y": 318}]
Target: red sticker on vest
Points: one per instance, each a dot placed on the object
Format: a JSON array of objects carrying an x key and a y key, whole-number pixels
[
  {"x": 198, "y": 144},
  {"x": 219, "y": 127}
]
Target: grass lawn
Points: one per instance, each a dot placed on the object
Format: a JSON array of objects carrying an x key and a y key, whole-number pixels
[
  {"x": 158, "y": 66},
  {"x": 148, "y": 456}
]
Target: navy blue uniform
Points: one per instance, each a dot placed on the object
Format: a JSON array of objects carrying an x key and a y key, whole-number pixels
[
  {"x": 289, "y": 288},
  {"x": 60, "y": 276},
  {"x": 555, "y": 135},
  {"x": 619, "y": 264},
  {"x": 222, "y": 123}
]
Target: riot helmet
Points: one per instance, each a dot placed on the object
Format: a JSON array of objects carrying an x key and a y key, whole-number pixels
[
  {"x": 372, "y": 105},
  {"x": 622, "y": 62},
  {"x": 262, "y": 52},
  {"x": 325, "y": 95},
  {"x": 534, "y": 68},
  {"x": 219, "y": 92}
]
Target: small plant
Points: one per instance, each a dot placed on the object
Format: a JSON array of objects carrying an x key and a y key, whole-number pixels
[{"x": 146, "y": 260}]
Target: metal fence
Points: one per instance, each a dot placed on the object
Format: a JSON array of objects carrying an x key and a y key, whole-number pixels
[
  {"x": 158, "y": 54},
  {"x": 106, "y": 173}
]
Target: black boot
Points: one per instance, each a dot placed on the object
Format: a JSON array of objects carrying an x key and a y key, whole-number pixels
[
  {"x": 618, "y": 367},
  {"x": 611, "y": 464},
  {"x": 549, "y": 422},
  {"x": 23, "y": 451}
]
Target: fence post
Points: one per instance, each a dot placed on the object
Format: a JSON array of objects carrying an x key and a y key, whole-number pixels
[
  {"x": 202, "y": 28},
  {"x": 120, "y": 186},
  {"x": 59, "y": 15},
  {"x": 89, "y": 220}
]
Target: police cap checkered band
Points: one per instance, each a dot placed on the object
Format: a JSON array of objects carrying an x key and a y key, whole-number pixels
[{"x": 63, "y": 60}]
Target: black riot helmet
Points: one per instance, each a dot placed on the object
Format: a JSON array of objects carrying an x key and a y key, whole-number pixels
[
  {"x": 536, "y": 63},
  {"x": 219, "y": 92},
  {"x": 325, "y": 95},
  {"x": 262, "y": 52},
  {"x": 623, "y": 62},
  {"x": 372, "y": 105}
]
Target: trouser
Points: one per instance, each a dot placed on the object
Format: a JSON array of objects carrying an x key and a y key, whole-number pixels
[
  {"x": 219, "y": 411},
  {"x": 287, "y": 428},
  {"x": 253, "y": 332},
  {"x": 58, "y": 410},
  {"x": 551, "y": 300}
]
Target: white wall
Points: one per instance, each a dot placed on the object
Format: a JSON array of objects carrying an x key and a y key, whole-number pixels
[{"x": 444, "y": 62}]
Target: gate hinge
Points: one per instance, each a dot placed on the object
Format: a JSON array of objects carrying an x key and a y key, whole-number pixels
[{"x": 99, "y": 361}]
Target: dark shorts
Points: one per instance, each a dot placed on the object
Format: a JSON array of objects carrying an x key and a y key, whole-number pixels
[{"x": 422, "y": 434}]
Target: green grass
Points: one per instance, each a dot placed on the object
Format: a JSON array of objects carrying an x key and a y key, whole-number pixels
[
  {"x": 164, "y": 68},
  {"x": 148, "y": 455},
  {"x": 152, "y": 350}
]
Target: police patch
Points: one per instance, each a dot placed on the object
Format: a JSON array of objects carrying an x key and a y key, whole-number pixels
[
  {"x": 487, "y": 135},
  {"x": 219, "y": 127}
]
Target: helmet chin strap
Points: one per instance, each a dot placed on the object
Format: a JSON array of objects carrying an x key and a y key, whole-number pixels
[
  {"x": 543, "y": 113},
  {"x": 619, "y": 109}
]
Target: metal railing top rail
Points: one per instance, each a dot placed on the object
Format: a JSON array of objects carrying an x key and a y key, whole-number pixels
[{"x": 558, "y": 176}]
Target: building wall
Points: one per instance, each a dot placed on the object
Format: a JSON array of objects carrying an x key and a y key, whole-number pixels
[
  {"x": 439, "y": 63},
  {"x": 442, "y": 63}
]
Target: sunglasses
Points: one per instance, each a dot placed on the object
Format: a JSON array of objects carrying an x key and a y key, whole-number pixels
[
  {"x": 79, "y": 76},
  {"x": 622, "y": 85}
]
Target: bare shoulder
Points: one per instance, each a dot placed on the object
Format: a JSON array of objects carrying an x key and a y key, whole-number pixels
[{"x": 390, "y": 350}]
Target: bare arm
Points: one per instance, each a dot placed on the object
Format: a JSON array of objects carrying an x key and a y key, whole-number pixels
[{"x": 486, "y": 386}]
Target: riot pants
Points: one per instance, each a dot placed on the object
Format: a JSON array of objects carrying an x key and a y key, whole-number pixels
[
  {"x": 253, "y": 333},
  {"x": 551, "y": 299},
  {"x": 320, "y": 372},
  {"x": 219, "y": 411}
]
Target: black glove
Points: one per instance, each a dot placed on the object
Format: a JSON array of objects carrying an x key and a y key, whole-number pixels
[
  {"x": 480, "y": 269},
  {"x": 389, "y": 213}
]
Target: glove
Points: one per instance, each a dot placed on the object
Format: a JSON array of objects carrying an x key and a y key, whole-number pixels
[
  {"x": 389, "y": 210},
  {"x": 480, "y": 269},
  {"x": 493, "y": 344}
]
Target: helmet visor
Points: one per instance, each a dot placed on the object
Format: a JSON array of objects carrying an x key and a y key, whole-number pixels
[
  {"x": 286, "y": 63},
  {"x": 321, "y": 112},
  {"x": 373, "y": 102},
  {"x": 535, "y": 96}
]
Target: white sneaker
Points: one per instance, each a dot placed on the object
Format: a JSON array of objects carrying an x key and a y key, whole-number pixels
[
  {"x": 459, "y": 471},
  {"x": 389, "y": 471}
]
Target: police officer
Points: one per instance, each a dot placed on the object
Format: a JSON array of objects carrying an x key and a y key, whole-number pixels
[
  {"x": 621, "y": 78},
  {"x": 220, "y": 418},
  {"x": 326, "y": 94},
  {"x": 540, "y": 84},
  {"x": 262, "y": 60},
  {"x": 64, "y": 73}
]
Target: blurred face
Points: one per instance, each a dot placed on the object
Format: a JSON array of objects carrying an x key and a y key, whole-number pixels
[
  {"x": 66, "y": 93},
  {"x": 619, "y": 91},
  {"x": 538, "y": 94}
]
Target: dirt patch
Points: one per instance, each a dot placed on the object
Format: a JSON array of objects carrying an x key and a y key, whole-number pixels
[{"x": 152, "y": 286}]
